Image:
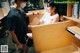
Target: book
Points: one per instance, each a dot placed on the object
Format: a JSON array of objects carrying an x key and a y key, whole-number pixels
[
  {"x": 75, "y": 31},
  {"x": 75, "y": 11}
]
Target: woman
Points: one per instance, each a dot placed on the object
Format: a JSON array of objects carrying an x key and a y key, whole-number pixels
[{"x": 51, "y": 16}]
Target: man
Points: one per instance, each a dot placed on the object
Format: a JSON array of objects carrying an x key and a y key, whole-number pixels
[{"x": 18, "y": 24}]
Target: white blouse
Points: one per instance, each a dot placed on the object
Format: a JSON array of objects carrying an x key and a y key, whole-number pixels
[{"x": 47, "y": 19}]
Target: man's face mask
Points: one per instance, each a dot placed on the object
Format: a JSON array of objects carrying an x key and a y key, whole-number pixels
[{"x": 23, "y": 4}]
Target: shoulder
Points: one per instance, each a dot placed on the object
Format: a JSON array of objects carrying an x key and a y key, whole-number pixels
[
  {"x": 12, "y": 13},
  {"x": 56, "y": 16}
]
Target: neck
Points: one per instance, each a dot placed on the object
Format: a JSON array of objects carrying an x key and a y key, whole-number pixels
[
  {"x": 18, "y": 7},
  {"x": 52, "y": 13}
]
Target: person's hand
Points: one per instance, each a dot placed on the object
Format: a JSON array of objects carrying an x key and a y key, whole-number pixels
[{"x": 20, "y": 46}]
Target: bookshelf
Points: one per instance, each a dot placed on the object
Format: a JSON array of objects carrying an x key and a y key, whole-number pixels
[{"x": 73, "y": 10}]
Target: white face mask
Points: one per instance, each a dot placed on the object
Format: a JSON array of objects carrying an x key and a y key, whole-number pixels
[{"x": 23, "y": 4}]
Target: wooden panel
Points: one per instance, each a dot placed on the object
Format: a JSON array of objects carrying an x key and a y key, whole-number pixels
[
  {"x": 76, "y": 41},
  {"x": 73, "y": 19},
  {"x": 78, "y": 24},
  {"x": 52, "y": 36},
  {"x": 76, "y": 52},
  {"x": 69, "y": 10},
  {"x": 75, "y": 29},
  {"x": 34, "y": 18},
  {"x": 66, "y": 49}
]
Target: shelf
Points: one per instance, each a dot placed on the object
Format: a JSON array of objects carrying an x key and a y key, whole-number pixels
[
  {"x": 73, "y": 19},
  {"x": 75, "y": 31}
]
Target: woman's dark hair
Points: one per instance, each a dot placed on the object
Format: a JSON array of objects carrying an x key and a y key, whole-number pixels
[{"x": 52, "y": 4}]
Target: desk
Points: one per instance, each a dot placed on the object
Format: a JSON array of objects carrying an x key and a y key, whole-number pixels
[
  {"x": 39, "y": 11},
  {"x": 73, "y": 19},
  {"x": 35, "y": 14},
  {"x": 75, "y": 29},
  {"x": 34, "y": 18}
]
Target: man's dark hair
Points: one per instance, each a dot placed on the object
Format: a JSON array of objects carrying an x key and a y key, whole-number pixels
[{"x": 19, "y": 1}]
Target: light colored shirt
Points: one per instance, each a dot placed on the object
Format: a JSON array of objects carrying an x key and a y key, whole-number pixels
[{"x": 47, "y": 19}]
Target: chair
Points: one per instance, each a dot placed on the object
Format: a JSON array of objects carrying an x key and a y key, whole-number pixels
[{"x": 34, "y": 18}]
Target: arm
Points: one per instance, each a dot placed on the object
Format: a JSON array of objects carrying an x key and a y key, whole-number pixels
[
  {"x": 13, "y": 35},
  {"x": 11, "y": 28},
  {"x": 41, "y": 20}
]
